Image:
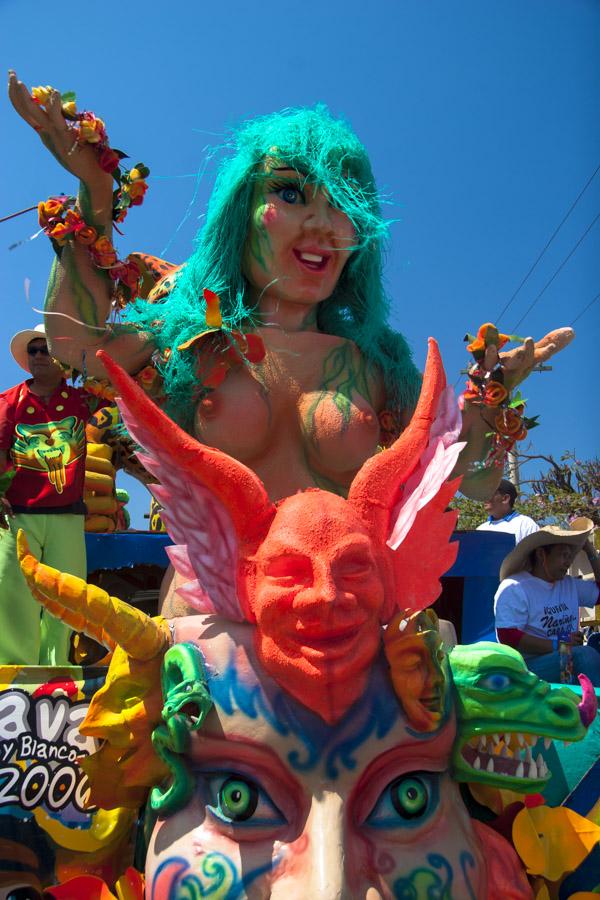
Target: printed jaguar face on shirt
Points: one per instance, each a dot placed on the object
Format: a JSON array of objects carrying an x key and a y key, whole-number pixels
[{"x": 50, "y": 447}]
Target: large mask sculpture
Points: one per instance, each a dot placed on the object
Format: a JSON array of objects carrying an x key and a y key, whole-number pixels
[{"x": 289, "y": 755}]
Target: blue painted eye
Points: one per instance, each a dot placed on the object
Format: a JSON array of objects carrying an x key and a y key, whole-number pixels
[
  {"x": 495, "y": 682},
  {"x": 237, "y": 800},
  {"x": 291, "y": 194},
  {"x": 407, "y": 802}
]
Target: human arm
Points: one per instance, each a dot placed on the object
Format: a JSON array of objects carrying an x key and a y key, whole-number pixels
[
  {"x": 594, "y": 561},
  {"x": 79, "y": 294},
  {"x": 480, "y": 481}
]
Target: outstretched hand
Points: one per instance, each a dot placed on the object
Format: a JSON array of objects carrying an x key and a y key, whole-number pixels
[
  {"x": 52, "y": 127},
  {"x": 518, "y": 363}
]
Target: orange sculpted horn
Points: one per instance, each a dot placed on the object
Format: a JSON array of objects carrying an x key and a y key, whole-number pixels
[
  {"x": 375, "y": 489},
  {"x": 234, "y": 484}
]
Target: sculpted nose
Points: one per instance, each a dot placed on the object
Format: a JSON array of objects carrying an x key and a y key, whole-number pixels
[
  {"x": 326, "y": 875},
  {"x": 320, "y": 214}
]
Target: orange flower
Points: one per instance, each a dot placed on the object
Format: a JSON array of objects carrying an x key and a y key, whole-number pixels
[
  {"x": 494, "y": 393},
  {"x": 49, "y": 209},
  {"x": 103, "y": 252},
  {"x": 136, "y": 192},
  {"x": 86, "y": 235},
  {"x": 487, "y": 335},
  {"x": 212, "y": 315},
  {"x": 508, "y": 423}
]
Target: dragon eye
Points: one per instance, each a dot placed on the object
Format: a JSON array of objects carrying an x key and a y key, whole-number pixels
[
  {"x": 495, "y": 682},
  {"x": 406, "y": 801}
]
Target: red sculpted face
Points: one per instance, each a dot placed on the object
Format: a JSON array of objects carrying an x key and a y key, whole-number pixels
[{"x": 317, "y": 598}]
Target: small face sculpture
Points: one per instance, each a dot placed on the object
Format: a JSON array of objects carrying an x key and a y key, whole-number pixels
[
  {"x": 298, "y": 243},
  {"x": 317, "y": 597},
  {"x": 286, "y": 806}
]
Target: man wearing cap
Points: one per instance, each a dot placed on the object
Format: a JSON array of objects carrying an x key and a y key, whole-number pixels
[
  {"x": 42, "y": 436},
  {"x": 537, "y": 603},
  {"x": 503, "y": 517}
]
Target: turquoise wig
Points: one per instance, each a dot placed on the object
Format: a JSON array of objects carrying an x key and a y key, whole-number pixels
[{"x": 325, "y": 151}]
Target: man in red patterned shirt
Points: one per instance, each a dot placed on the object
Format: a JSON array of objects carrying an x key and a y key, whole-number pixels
[{"x": 42, "y": 436}]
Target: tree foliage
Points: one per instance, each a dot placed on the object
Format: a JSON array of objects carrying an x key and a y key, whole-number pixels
[{"x": 568, "y": 487}]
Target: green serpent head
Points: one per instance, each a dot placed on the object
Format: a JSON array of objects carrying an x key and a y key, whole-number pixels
[
  {"x": 187, "y": 703},
  {"x": 503, "y": 710}
]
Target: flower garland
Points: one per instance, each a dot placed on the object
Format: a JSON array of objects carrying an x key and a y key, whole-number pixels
[
  {"x": 485, "y": 387},
  {"x": 62, "y": 222}
]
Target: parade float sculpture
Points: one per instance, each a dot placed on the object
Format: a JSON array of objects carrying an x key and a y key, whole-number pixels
[
  {"x": 283, "y": 755},
  {"x": 304, "y": 740}
]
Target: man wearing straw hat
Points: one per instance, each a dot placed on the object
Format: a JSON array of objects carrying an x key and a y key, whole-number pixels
[
  {"x": 537, "y": 603},
  {"x": 42, "y": 436}
]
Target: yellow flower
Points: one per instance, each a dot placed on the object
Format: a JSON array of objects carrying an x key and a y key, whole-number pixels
[
  {"x": 135, "y": 174},
  {"x": 69, "y": 109},
  {"x": 42, "y": 94},
  {"x": 91, "y": 130}
]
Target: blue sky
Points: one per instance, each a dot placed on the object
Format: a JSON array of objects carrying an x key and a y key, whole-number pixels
[{"x": 482, "y": 121}]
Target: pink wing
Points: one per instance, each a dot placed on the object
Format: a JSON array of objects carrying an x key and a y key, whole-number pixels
[
  {"x": 205, "y": 551},
  {"x": 421, "y": 528}
]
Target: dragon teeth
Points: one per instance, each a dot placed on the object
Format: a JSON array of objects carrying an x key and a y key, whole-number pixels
[
  {"x": 520, "y": 739},
  {"x": 533, "y": 770},
  {"x": 490, "y": 765},
  {"x": 520, "y": 771},
  {"x": 477, "y": 763}
]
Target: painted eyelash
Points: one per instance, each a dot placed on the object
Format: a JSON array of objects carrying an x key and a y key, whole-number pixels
[{"x": 276, "y": 186}]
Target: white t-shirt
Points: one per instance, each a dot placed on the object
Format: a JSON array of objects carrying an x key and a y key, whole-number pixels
[
  {"x": 514, "y": 523},
  {"x": 542, "y": 608}
]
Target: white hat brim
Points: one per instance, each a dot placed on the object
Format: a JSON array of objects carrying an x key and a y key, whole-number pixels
[
  {"x": 518, "y": 559},
  {"x": 20, "y": 341}
]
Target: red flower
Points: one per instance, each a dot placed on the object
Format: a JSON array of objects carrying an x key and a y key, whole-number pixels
[{"x": 108, "y": 160}]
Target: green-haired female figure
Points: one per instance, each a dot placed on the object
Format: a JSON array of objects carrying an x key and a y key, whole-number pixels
[{"x": 300, "y": 377}]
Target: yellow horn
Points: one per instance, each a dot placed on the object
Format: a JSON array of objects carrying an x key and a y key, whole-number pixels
[{"x": 134, "y": 631}]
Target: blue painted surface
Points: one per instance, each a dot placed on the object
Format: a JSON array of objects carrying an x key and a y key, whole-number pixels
[
  {"x": 479, "y": 558},
  {"x": 125, "y": 549}
]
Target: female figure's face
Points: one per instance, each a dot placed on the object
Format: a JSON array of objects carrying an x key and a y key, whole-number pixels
[
  {"x": 286, "y": 806},
  {"x": 298, "y": 243}
]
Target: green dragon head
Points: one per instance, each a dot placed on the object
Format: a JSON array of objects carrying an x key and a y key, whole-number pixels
[{"x": 503, "y": 711}]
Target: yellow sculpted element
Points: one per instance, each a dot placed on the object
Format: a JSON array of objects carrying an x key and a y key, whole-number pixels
[
  {"x": 414, "y": 651},
  {"x": 123, "y": 713},
  {"x": 75, "y": 601}
]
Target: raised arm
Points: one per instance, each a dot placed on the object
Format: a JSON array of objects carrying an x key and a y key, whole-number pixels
[
  {"x": 481, "y": 474},
  {"x": 79, "y": 294}
]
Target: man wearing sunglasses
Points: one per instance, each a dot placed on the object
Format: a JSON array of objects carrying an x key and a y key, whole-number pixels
[{"x": 42, "y": 441}]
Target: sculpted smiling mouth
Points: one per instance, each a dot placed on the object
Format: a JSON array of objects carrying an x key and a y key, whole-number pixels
[{"x": 312, "y": 259}]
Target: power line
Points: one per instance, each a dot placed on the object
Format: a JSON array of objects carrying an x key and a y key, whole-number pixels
[
  {"x": 570, "y": 210},
  {"x": 561, "y": 266},
  {"x": 585, "y": 308}
]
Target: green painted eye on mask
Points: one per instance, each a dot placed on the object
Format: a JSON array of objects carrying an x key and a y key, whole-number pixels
[
  {"x": 238, "y": 799},
  {"x": 409, "y": 797}
]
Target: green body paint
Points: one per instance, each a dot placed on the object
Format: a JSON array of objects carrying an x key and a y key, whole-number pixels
[
  {"x": 502, "y": 710},
  {"x": 187, "y": 703},
  {"x": 259, "y": 244},
  {"x": 342, "y": 378}
]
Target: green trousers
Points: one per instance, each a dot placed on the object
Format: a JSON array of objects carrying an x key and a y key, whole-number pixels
[{"x": 29, "y": 635}]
